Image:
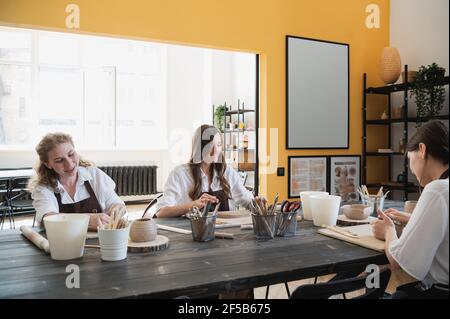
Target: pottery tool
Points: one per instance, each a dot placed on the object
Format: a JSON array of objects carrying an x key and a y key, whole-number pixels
[
  {"x": 188, "y": 232},
  {"x": 35, "y": 238},
  {"x": 341, "y": 231},
  {"x": 152, "y": 202}
]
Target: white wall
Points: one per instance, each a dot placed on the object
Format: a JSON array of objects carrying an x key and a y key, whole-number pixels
[
  {"x": 419, "y": 29},
  {"x": 196, "y": 79}
]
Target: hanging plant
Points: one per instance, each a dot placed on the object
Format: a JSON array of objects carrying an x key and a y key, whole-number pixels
[
  {"x": 429, "y": 94},
  {"x": 219, "y": 117}
]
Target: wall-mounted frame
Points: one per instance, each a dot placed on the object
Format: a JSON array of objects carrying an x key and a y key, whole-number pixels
[
  {"x": 317, "y": 94},
  {"x": 307, "y": 173},
  {"x": 345, "y": 176}
]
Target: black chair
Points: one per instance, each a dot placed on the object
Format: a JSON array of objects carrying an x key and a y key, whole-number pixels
[
  {"x": 19, "y": 197},
  {"x": 5, "y": 208},
  {"x": 337, "y": 287}
]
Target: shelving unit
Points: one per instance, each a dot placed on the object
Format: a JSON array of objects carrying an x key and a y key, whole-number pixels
[
  {"x": 242, "y": 158},
  {"x": 405, "y": 186}
]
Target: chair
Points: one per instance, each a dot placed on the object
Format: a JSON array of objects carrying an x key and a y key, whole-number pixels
[
  {"x": 5, "y": 208},
  {"x": 17, "y": 201},
  {"x": 330, "y": 288}
]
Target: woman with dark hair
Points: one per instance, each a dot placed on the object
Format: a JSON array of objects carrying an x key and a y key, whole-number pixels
[
  {"x": 422, "y": 250},
  {"x": 206, "y": 178}
]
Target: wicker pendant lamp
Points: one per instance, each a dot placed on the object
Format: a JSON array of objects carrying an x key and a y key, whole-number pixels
[{"x": 390, "y": 65}]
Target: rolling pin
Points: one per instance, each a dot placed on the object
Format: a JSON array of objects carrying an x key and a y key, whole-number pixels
[{"x": 35, "y": 238}]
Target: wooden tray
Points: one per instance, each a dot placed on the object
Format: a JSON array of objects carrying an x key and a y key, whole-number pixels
[
  {"x": 233, "y": 214},
  {"x": 161, "y": 242},
  {"x": 366, "y": 238}
]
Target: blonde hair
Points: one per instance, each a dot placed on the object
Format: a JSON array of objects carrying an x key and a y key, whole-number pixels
[{"x": 45, "y": 176}]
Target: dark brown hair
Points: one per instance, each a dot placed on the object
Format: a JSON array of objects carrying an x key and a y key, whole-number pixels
[
  {"x": 201, "y": 145},
  {"x": 434, "y": 135}
]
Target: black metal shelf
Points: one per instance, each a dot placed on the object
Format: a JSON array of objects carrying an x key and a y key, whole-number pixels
[
  {"x": 229, "y": 149},
  {"x": 409, "y": 119},
  {"x": 400, "y": 87},
  {"x": 395, "y": 186},
  {"x": 238, "y": 130},
  {"x": 384, "y": 154},
  {"x": 406, "y": 187},
  {"x": 238, "y": 111}
]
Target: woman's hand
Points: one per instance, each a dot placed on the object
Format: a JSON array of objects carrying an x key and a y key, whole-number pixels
[
  {"x": 95, "y": 219},
  {"x": 116, "y": 209},
  {"x": 381, "y": 226},
  {"x": 398, "y": 216},
  {"x": 204, "y": 199}
]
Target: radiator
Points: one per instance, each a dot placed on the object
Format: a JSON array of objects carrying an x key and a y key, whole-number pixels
[{"x": 132, "y": 180}]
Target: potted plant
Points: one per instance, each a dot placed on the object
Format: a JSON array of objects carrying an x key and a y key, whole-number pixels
[
  {"x": 219, "y": 117},
  {"x": 429, "y": 94}
]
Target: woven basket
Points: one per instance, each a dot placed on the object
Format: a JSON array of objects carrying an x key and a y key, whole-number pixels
[{"x": 390, "y": 65}]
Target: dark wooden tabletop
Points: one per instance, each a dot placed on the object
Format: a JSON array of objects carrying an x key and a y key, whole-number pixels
[{"x": 186, "y": 268}]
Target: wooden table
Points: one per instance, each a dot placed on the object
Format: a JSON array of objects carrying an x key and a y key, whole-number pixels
[{"x": 186, "y": 268}]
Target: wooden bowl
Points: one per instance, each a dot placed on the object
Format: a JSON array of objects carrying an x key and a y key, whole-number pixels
[
  {"x": 143, "y": 230},
  {"x": 356, "y": 211}
]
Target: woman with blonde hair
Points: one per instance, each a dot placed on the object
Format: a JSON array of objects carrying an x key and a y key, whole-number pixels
[{"x": 65, "y": 183}]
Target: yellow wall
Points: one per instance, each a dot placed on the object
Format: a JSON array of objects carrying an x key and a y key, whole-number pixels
[{"x": 258, "y": 26}]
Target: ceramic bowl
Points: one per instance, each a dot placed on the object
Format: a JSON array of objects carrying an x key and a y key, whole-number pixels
[
  {"x": 356, "y": 211},
  {"x": 143, "y": 230}
]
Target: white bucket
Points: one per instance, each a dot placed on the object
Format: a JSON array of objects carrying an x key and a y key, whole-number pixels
[
  {"x": 66, "y": 234},
  {"x": 304, "y": 196},
  {"x": 325, "y": 210},
  {"x": 113, "y": 243}
]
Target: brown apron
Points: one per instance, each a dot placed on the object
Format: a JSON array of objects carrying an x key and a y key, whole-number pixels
[
  {"x": 223, "y": 199},
  {"x": 88, "y": 205}
]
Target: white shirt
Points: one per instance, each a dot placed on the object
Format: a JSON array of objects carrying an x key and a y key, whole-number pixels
[
  {"x": 44, "y": 199},
  {"x": 180, "y": 182},
  {"x": 422, "y": 249}
]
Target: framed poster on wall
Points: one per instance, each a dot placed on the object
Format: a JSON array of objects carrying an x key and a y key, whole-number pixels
[
  {"x": 307, "y": 173},
  {"x": 345, "y": 176},
  {"x": 317, "y": 94}
]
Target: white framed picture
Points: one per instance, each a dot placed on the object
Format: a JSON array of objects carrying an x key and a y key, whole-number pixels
[
  {"x": 345, "y": 176},
  {"x": 307, "y": 173}
]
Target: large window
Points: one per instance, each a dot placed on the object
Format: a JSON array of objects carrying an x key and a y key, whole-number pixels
[{"x": 107, "y": 93}]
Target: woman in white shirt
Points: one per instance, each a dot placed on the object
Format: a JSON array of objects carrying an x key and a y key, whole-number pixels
[
  {"x": 422, "y": 249},
  {"x": 65, "y": 183},
  {"x": 206, "y": 178}
]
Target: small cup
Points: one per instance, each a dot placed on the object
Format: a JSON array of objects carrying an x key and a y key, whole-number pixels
[
  {"x": 143, "y": 230},
  {"x": 113, "y": 243},
  {"x": 286, "y": 224},
  {"x": 203, "y": 228},
  {"x": 264, "y": 226},
  {"x": 409, "y": 206}
]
